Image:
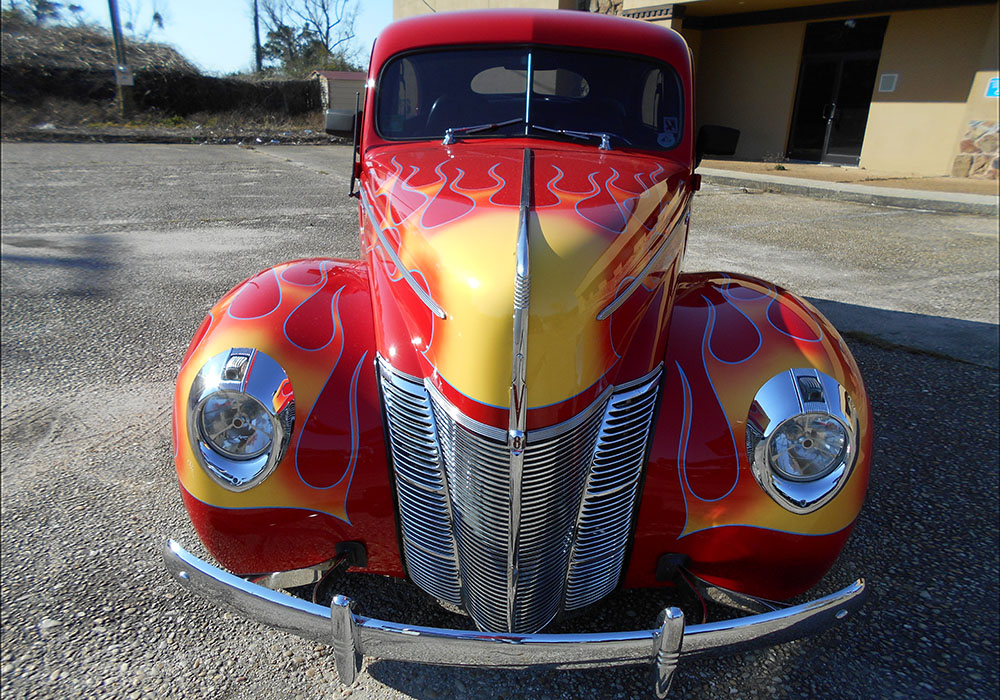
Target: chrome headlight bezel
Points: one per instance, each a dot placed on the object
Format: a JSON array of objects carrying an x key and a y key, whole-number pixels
[
  {"x": 789, "y": 396},
  {"x": 252, "y": 374}
]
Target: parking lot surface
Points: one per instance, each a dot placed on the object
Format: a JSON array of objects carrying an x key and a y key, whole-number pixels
[{"x": 113, "y": 253}]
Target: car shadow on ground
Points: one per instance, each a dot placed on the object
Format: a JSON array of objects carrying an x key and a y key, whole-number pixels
[{"x": 969, "y": 341}]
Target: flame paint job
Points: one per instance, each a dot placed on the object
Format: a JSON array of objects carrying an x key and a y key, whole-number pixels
[
  {"x": 730, "y": 334},
  {"x": 452, "y": 215},
  {"x": 314, "y": 317}
]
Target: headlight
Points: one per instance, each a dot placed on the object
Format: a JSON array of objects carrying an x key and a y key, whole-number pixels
[
  {"x": 241, "y": 413},
  {"x": 802, "y": 438},
  {"x": 807, "y": 447},
  {"x": 236, "y": 425}
]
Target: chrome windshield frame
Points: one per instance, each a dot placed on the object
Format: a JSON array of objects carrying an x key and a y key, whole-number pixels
[{"x": 604, "y": 137}]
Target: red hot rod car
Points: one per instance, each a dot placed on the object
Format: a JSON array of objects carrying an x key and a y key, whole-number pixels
[{"x": 515, "y": 399}]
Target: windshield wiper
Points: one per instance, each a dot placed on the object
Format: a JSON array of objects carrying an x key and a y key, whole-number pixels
[
  {"x": 449, "y": 134},
  {"x": 604, "y": 136}
]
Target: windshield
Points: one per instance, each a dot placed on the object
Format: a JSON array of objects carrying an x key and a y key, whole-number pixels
[{"x": 482, "y": 93}]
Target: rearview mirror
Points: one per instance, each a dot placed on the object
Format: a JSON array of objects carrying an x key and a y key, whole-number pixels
[
  {"x": 340, "y": 122},
  {"x": 715, "y": 140}
]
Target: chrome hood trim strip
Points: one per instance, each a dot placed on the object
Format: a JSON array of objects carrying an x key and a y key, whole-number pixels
[
  {"x": 518, "y": 421},
  {"x": 669, "y": 244},
  {"x": 407, "y": 275}
]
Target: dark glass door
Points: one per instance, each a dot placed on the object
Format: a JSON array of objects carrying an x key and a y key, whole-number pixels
[
  {"x": 836, "y": 80},
  {"x": 850, "y": 110}
]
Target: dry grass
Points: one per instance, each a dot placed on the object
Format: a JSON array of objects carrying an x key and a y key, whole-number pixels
[
  {"x": 85, "y": 48},
  {"x": 56, "y": 111},
  {"x": 102, "y": 117}
]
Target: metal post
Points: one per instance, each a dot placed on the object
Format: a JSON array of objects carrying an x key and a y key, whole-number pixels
[
  {"x": 256, "y": 38},
  {"x": 123, "y": 74}
]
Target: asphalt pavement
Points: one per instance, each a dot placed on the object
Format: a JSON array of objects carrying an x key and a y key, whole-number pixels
[{"x": 111, "y": 254}]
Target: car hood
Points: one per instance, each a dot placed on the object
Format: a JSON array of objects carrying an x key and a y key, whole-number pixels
[{"x": 447, "y": 223}]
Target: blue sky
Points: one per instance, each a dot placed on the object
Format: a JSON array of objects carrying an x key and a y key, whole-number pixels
[{"x": 217, "y": 35}]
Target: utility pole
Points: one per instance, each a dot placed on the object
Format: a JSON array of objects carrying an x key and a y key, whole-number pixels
[
  {"x": 123, "y": 74},
  {"x": 256, "y": 37}
]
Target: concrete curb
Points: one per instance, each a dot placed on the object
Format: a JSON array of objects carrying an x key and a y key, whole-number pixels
[{"x": 952, "y": 202}]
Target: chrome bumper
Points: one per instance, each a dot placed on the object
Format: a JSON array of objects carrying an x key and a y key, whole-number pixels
[{"x": 353, "y": 635}]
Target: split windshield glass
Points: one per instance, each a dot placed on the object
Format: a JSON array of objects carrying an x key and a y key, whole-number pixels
[{"x": 482, "y": 93}]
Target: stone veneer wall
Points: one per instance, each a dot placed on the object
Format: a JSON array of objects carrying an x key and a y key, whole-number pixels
[{"x": 978, "y": 154}]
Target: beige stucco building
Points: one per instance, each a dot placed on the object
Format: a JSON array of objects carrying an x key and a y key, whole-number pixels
[
  {"x": 896, "y": 86},
  {"x": 408, "y": 8}
]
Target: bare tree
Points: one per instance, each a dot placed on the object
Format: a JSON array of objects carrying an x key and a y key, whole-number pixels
[
  {"x": 135, "y": 13},
  {"x": 302, "y": 35},
  {"x": 43, "y": 10},
  {"x": 332, "y": 21}
]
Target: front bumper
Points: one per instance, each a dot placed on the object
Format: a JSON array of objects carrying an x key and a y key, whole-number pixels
[{"x": 353, "y": 635}]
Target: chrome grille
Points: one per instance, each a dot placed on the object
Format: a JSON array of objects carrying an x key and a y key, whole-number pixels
[
  {"x": 578, "y": 491},
  {"x": 425, "y": 512},
  {"x": 599, "y": 551}
]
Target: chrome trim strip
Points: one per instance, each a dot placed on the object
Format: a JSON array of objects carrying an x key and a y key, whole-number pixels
[
  {"x": 528, "y": 85},
  {"x": 407, "y": 275},
  {"x": 518, "y": 416},
  {"x": 672, "y": 241},
  {"x": 391, "y": 640}
]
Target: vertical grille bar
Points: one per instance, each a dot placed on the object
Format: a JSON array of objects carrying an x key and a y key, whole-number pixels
[{"x": 579, "y": 487}]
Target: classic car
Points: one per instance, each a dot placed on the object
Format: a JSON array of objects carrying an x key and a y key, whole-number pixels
[{"x": 516, "y": 400}]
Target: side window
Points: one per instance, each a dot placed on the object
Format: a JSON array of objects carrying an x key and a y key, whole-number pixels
[
  {"x": 400, "y": 98},
  {"x": 659, "y": 108},
  {"x": 652, "y": 98}
]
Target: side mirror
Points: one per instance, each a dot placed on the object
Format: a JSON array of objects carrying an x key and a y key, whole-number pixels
[
  {"x": 340, "y": 122},
  {"x": 715, "y": 141}
]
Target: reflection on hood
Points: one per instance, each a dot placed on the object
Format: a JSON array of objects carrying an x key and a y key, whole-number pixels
[{"x": 452, "y": 215}]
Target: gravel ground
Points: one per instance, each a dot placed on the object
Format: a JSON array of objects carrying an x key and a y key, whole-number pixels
[{"x": 112, "y": 254}]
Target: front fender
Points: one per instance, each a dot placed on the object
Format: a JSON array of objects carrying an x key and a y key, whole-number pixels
[
  {"x": 314, "y": 317},
  {"x": 728, "y": 335}
]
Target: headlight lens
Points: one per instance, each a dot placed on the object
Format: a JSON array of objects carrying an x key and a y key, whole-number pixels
[
  {"x": 236, "y": 425},
  {"x": 808, "y": 446}
]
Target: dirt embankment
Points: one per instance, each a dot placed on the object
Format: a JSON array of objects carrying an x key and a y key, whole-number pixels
[{"x": 58, "y": 84}]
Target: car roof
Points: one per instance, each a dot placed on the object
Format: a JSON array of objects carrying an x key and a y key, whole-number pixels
[{"x": 544, "y": 27}]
